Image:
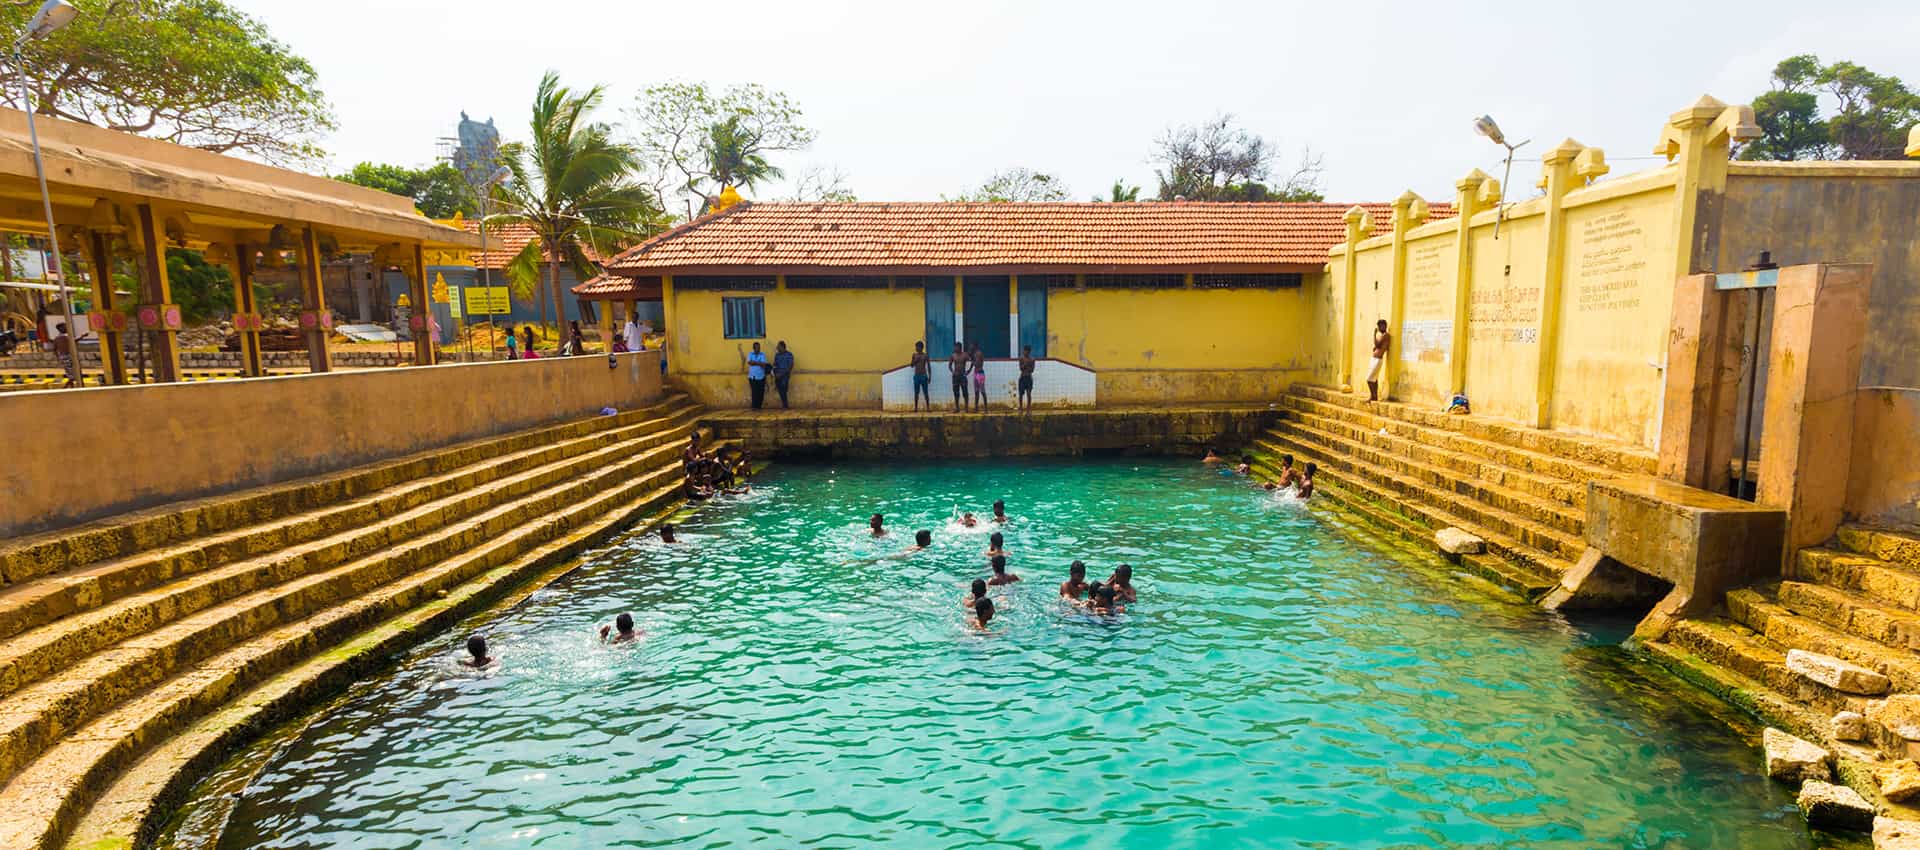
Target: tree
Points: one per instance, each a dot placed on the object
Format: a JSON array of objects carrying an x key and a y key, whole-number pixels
[
  {"x": 193, "y": 72},
  {"x": 822, "y": 184},
  {"x": 696, "y": 141},
  {"x": 574, "y": 187},
  {"x": 1870, "y": 119},
  {"x": 1016, "y": 184},
  {"x": 201, "y": 289},
  {"x": 439, "y": 190},
  {"x": 1121, "y": 193},
  {"x": 1218, "y": 161}
]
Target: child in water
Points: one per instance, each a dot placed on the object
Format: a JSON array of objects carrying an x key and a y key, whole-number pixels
[
  {"x": 1076, "y": 582},
  {"x": 921, "y": 540},
  {"x": 978, "y": 593},
  {"x": 1289, "y": 477},
  {"x": 624, "y": 623},
  {"x": 1121, "y": 583},
  {"x": 982, "y": 614},
  {"x": 996, "y": 545},
  {"x": 1306, "y": 481},
  {"x": 876, "y": 524},
  {"x": 1105, "y": 601},
  {"x": 477, "y": 651},
  {"x": 1245, "y": 467},
  {"x": 1000, "y": 574},
  {"x": 1212, "y": 457},
  {"x": 666, "y": 533},
  {"x": 967, "y": 520},
  {"x": 999, "y": 510}
]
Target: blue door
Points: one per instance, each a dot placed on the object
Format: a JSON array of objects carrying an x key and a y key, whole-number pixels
[
  {"x": 1033, "y": 315},
  {"x": 986, "y": 311},
  {"x": 939, "y": 317}
]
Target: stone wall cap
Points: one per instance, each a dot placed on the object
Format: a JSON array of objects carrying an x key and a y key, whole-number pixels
[{"x": 1675, "y": 496}]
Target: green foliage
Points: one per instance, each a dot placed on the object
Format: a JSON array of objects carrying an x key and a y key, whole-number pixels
[
  {"x": 193, "y": 72},
  {"x": 1121, "y": 193},
  {"x": 1016, "y": 184},
  {"x": 1218, "y": 161},
  {"x": 1869, "y": 120},
  {"x": 438, "y": 191},
  {"x": 695, "y": 141},
  {"x": 202, "y": 290}
]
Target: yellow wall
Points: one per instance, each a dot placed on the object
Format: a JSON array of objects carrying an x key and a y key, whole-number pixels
[
  {"x": 1152, "y": 346},
  {"x": 1324, "y": 293},
  {"x": 841, "y": 340},
  {"x": 1615, "y": 309},
  {"x": 1373, "y": 297},
  {"x": 152, "y": 444},
  {"x": 1423, "y": 341}
]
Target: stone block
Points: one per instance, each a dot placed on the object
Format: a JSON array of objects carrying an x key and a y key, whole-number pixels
[
  {"x": 1835, "y": 807},
  {"x": 1899, "y": 781},
  {"x": 1839, "y": 675},
  {"x": 1454, "y": 541},
  {"x": 1702, "y": 543},
  {"x": 1848, "y": 726},
  {"x": 1899, "y": 714},
  {"x": 1792, "y": 760},
  {"x": 1896, "y": 834}
]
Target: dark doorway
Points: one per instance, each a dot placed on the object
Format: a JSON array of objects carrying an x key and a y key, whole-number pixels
[{"x": 986, "y": 312}]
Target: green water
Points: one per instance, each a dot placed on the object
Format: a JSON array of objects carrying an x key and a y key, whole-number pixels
[{"x": 1277, "y": 685}]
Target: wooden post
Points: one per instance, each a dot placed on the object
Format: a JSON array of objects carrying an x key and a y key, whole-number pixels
[
  {"x": 246, "y": 315},
  {"x": 424, "y": 353},
  {"x": 315, "y": 319},
  {"x": 1356, "y": 230},
  {"x": 1466, "y": 204},
  {"x": 1558, "y": 179},
  {"x": 157, "y": 312},
  {"x": 106, "y": 319}
]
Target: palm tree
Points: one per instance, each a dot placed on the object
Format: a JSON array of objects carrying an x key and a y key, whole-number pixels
[
  {"x": 734, "y": 158},
  {"x": 574, "y": 187},
  {"x": 1122, "y": 193}
]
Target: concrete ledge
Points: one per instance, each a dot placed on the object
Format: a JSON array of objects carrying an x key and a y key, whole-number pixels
[{"x": 867, "y": 433}]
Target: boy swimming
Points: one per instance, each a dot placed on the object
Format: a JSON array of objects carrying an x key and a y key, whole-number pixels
[
  {"x": 876, "y": 524},
  {"x": 624, "y": 623},
  {"x": 999, "y": 511},
  {"x": 1212, "y": 457},
  {"x": 1121, "y": 583},
  {"x": 1245, "y": 467},
  {"x": 978, "y": 593},
  {"x": 477, "y": 652},
  {"x": 996, "y": 545},
  {"x": 1000, "y": 574},
  {"x": 967, "y": 520},
  {"x": 666, "y": 533},
  {"x": 1105, "y": 600},
  {"x": 1076, "y": 582},
  {"x": 921, "y": 540},
  {"x": 982, "y": 614}
]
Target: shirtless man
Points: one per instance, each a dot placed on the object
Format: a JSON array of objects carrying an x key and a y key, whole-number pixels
[
  {"x": 1000, "y": 574},
  {"x": 922, "y": 377},
  {"x": 1289, "y": 477},
  {"x": 1076, "y": 583},
  {"x": 957, "y": 368},
  {"x": 979, "y": 370},
  {"x": 1025, "y": 398},
  {"x": 877, "y": 524},
  {"x": 666, "y": 533},
  {"x": 921, "y": 540},
  {"x": 1121, "y": 583},
  {"x": 477, "y": 654},
  {"x": 1382, "y": 343},
  {"x": 1306, "y": 482},
  {"x": 982, "y": 614},
  {"x": 978, "y": 593},
  {"x": 996, "y": 545},
  {"x": 627, "y": 633},
  {"x": 999, "y": 511}
]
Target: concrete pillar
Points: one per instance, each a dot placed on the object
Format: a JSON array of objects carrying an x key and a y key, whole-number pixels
[
  {"x": 1356, "y": 220},
  {"x": 414, "y": 266},
  {"x": 1558, "y": 179},
  {"x": 1702, "y": 393},
  {"x": 1013, "y": 313},
  {"x": 1697, "y": 139},
  {"x": 246, "y": 315},
  {"x": 316, "y": 321},
  {"x": 607, "y": 328},
  {"x": 1465, "y": 204},
  {"x": 157, "y": 313},
  {"x": 1819, "y": 330},
  {"x": 959, "y": 309},
  {"x": 1408, "y": 210},
  {"x": 106, "y": 319}
]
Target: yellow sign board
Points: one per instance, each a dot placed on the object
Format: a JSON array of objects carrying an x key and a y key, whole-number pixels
[{"x": 483, "y": 300}]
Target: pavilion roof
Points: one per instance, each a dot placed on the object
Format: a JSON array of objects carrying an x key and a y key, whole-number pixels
[{"x": 885, "y": 236}]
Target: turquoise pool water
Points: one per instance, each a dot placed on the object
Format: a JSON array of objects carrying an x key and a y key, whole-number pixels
[{"x": 1278, "y": 684}]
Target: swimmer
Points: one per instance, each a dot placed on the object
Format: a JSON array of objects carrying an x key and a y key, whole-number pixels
[
  {"x": 1121, "y": 583},
  {"x": 996, "y": 545},
  {"x": 1269, "y": 486},
  {"x": 978, "y": 593},
  {"x": 477, "y": 648},
  {"x": 921, "y": 540},
  {"x": 999, "y": 511},
  {"x": 1306, "y": 481},
  {"x": 1245, "y": 467},
  {"x": 666, "y": 533},
  {"x": 1289, "y": 477},
  {"x": 1093, "y": 592},
  {"x": 1106, "y": 601},
  {"x": 1000, "y": 574},
  {"x": 624, "y": 623},
  {"x": 879, "y": 529},
  {"x": 967, "y": 520},
  {"x": 1212, "y": 457},
  {"x": 1076, "y": 582},
  {"x": 982, "y": 614}
]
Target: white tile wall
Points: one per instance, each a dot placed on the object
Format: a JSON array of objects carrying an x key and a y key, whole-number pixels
[{"x": 1056, "y": 383}]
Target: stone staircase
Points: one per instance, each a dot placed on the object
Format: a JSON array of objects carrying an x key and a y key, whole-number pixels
[
  {"x": 1522, "y": 490},
  {"x": 1856, "y": 599},
  {"x": 136, "y": 652}
]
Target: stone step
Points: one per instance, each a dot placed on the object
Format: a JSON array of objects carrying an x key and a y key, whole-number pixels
[
  {"x": 1558, "y": 515},
  {"x": 1853, "y": 614},
  {"x": 1691, "y": 649},
  {"x": 1573, "y": 457},
  {"x": 1890, "y": 545},
  {"x": 126, "y": 534},
  {"x": 43, "y": 803},
  {"x": 1572, "y": 472},
  {"x": 1881, "y": 581},
  {"x": 1752, "y": 608},
  {"x": 43, "y": 712},
  {"x": 41, "y": 601},
  {"x": 1539, "y": 570},
  {"x": 1478, "y": 516},
  {"x": 59, "y": 645},
  {"x": 1414, "y": 443},
  {"x": 1492, "y": 568}
]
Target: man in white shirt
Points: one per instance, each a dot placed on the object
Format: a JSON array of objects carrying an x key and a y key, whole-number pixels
[{"x": 633, "y": 336}]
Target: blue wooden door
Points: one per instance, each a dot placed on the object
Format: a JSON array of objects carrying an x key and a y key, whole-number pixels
[
  {"x": 986, "y": 310},
  {"x": 939, "y": 318},
  {"x": 1033, "y": 316}
]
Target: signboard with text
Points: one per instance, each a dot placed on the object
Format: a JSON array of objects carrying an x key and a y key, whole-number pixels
[{"x": 487, "y": 300}]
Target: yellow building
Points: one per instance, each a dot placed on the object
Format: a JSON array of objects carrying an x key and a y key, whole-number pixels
[{"x": 1163, "y": 302}]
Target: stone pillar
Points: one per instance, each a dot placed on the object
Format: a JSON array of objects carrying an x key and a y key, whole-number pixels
[
  {"x": 1465, "y": 204},
  {"x": 1813, "y": 370},
  {"x": 247, "y": 321},
  {"x": 316, "y": 321},
  {"x": 1408, "y": 210},
  {"x": 959, "y": 310},
  {"x": 1013, "y": 313},
  {"x": 414, "y": 266},
  {"x": 106, "y": 318},
  {"x": 607, "y": 327},
  {"x": 1357, "y": 227},
  {"x": 667, "y": 315},
  {"x": 1697, "y": 139},
  {"x": 157, "y": 312},
  {"x": 1556, "y": 176},
  {"x": 1703, "y": 385}
]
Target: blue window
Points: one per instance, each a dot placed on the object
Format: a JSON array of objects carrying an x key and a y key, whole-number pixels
[{"x": 744, "y": 318}]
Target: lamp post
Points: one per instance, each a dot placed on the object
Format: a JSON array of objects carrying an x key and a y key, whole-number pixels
[
  {"x": 498, "y": 177},
  {"x": 52, "y": 15},
  {"x": 1484, "y": 126}
]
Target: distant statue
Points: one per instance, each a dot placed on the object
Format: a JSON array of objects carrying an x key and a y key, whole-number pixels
[{"x": 479, "y": 151}]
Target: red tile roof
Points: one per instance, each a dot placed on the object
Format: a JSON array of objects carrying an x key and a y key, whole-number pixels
[
  {"x": 504, "y": 241},
  {"x": 887, "y": 235},
  {"x": 613, "y": 287}
]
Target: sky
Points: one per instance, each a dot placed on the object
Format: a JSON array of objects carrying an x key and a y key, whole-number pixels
[{"x": 913, "y": 100}]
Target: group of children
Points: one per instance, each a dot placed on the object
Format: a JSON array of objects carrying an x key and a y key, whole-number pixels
[
  {"x": 712, "y": 473},
  {"x": 1300, "y": 484}
]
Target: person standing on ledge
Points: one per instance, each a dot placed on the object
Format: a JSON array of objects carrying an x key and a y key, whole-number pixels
[
  {"x": 757, "y": 376},
  {"x": 631, "y": 333},
  {"x": 979, "y": 362},
  {"x": 922, "y": 377},
  {"x": 1025, "y": 399},
  {"x": 957, "y": 366},
  {"x": 1382, "y": 343},
  {"x": 782, "y": 370}
]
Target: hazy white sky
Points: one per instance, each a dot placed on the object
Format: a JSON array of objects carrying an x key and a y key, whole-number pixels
[{"x": 913, "y": 99}]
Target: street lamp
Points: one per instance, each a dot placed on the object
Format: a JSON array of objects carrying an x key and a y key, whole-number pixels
[
  {"x": 498, "y": 177},
  {"x": 52, "y": 15},
  {"x": 1485, "y": 126}
]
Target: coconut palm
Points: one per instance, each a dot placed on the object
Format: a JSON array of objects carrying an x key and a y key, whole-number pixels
[
  {"x": 734, "y": 158},
  {"x": 575, "y": 187},
  {"x": 1122, "y": 193}
]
